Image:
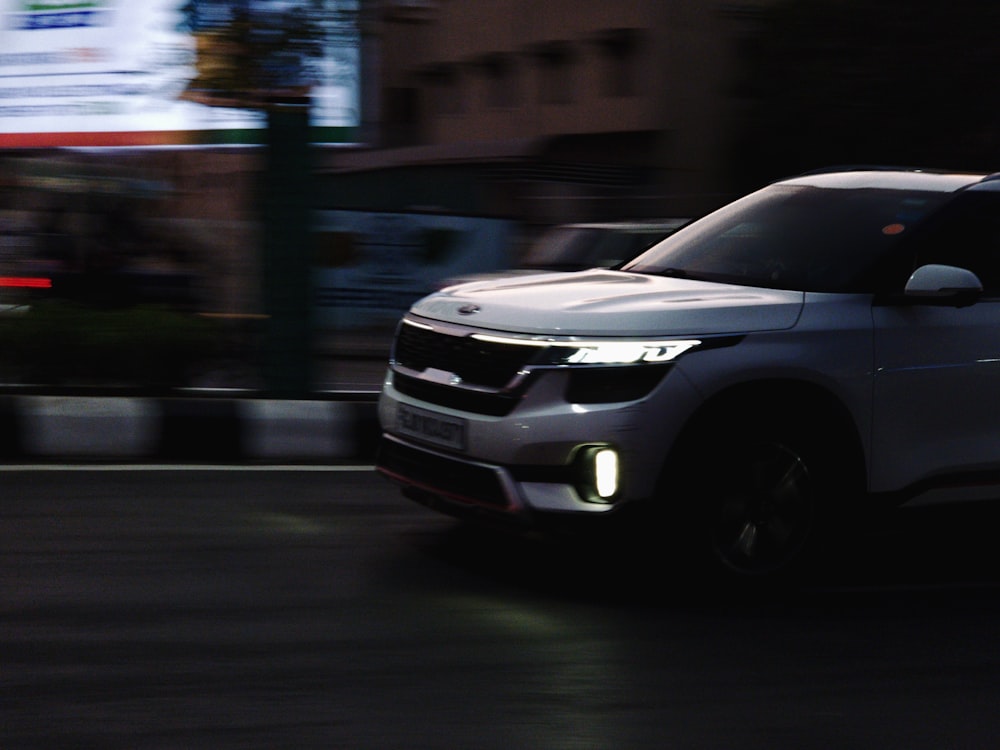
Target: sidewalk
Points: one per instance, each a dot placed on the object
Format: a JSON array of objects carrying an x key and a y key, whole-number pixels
[
  {"x": 187, "y": 428},
  {"x": 337, "y": 422}
]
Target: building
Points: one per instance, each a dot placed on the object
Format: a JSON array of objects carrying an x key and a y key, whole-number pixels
[
  {"x": 556, "y": 111},
  {"x": 540, "y": 113}
]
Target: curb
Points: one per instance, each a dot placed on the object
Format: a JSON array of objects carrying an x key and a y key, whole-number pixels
[{"x": 186, "y": 428}]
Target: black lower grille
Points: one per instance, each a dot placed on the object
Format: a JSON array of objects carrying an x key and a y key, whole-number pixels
[
  {"x": 435, "y": 473},
  {"x": 475, "y": 402}
]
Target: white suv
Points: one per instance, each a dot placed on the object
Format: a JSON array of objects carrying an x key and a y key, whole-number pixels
[{"x": 745, "y": 383}]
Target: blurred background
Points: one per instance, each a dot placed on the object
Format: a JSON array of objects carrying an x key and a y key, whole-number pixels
[{"x": 247, "y": 194}]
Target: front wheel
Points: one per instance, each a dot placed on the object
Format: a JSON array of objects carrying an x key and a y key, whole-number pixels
[
  {"x": 762, "y": 510},
  {"x": 759, "y": 498}
]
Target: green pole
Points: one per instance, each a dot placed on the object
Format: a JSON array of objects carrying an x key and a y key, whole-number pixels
[{"x": 287, "y": 257}]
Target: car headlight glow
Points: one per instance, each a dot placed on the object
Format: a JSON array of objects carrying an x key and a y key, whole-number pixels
[
  {"x": 621, "y": 352},
  {"x": 606, "y": 473},
  {"x": 600, "y": 351}
]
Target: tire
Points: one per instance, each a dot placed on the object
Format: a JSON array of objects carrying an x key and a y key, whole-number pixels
[{"x": 758, "y": 497}]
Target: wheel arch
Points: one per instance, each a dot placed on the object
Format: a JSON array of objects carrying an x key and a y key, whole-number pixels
[{"x": 810, "y": 404}]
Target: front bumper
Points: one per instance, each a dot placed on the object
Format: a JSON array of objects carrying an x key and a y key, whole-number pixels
[
  {"x": 451, "y": 483},
  {"x": 524, "y": 464}
]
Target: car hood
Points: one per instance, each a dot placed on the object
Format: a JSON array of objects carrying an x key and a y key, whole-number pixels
[{"x": 613, "y": 303}]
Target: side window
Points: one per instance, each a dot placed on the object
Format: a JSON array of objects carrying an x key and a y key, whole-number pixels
[{"x": 968, "y": 235}]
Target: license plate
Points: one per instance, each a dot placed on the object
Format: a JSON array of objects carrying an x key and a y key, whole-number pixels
[{"x": 430, "y": 427}]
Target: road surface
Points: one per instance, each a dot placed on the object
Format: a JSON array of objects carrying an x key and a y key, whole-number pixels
[{"x": 314, "y": 607}]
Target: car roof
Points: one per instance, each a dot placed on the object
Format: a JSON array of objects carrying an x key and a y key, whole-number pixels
[{"x": 889, "y": 179}]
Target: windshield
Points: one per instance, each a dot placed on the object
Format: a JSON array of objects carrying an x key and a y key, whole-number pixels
[
  {"x": 574, "y": 248},
  {"x": 561, "y": 248},
  {"x": 794, "y": 237}
]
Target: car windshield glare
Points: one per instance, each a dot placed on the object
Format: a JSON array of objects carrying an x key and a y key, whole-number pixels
[
  {"x": 558, "y": 248},
  {"x": 795, "y": 237}
]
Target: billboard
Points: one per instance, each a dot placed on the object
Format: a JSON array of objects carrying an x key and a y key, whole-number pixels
[{"x": 97, "y": 73}]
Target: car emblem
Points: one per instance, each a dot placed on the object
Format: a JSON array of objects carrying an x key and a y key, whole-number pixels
[{"x": 468, "y": 309}]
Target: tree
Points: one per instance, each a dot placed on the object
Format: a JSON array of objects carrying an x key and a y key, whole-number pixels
[
  {"x": 268, "y": 54},
  {"x": 248, "y": 51}
]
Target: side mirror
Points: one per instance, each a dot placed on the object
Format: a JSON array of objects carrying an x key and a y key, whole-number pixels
[{"x": 947, "y": 284}]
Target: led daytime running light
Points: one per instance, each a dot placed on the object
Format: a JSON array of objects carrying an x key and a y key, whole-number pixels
[
  {"x": 601, "y": 352},
  {"x": 626, "y": 353}
]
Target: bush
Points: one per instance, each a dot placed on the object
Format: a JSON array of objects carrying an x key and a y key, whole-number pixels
[{"x": 62, "y": 343}]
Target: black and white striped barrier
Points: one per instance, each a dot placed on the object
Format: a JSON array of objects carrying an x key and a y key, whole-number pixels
[{"x": 182, "y": 428}]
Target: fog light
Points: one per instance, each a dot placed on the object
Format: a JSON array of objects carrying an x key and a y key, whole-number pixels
[
  {"x": 598, "y": 475},
  {"x": 605, "y": 472}
]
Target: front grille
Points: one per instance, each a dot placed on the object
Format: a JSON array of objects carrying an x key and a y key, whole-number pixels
[
  {"x": 475, "y": 402},
  {"x": 441, "y": 475},
  {"x": 481, "y": 363}
]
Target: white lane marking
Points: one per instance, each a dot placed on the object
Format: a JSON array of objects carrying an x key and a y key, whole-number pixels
[{"x": 182, "y": 467}]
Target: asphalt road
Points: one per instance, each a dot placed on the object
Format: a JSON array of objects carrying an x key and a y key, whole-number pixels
[{"x": 316, "y": 608}]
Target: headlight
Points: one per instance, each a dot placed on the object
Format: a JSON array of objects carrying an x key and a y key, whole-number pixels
[
  {"x": 618, "y": 352},
  {"x": 607, "y": 352}
]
